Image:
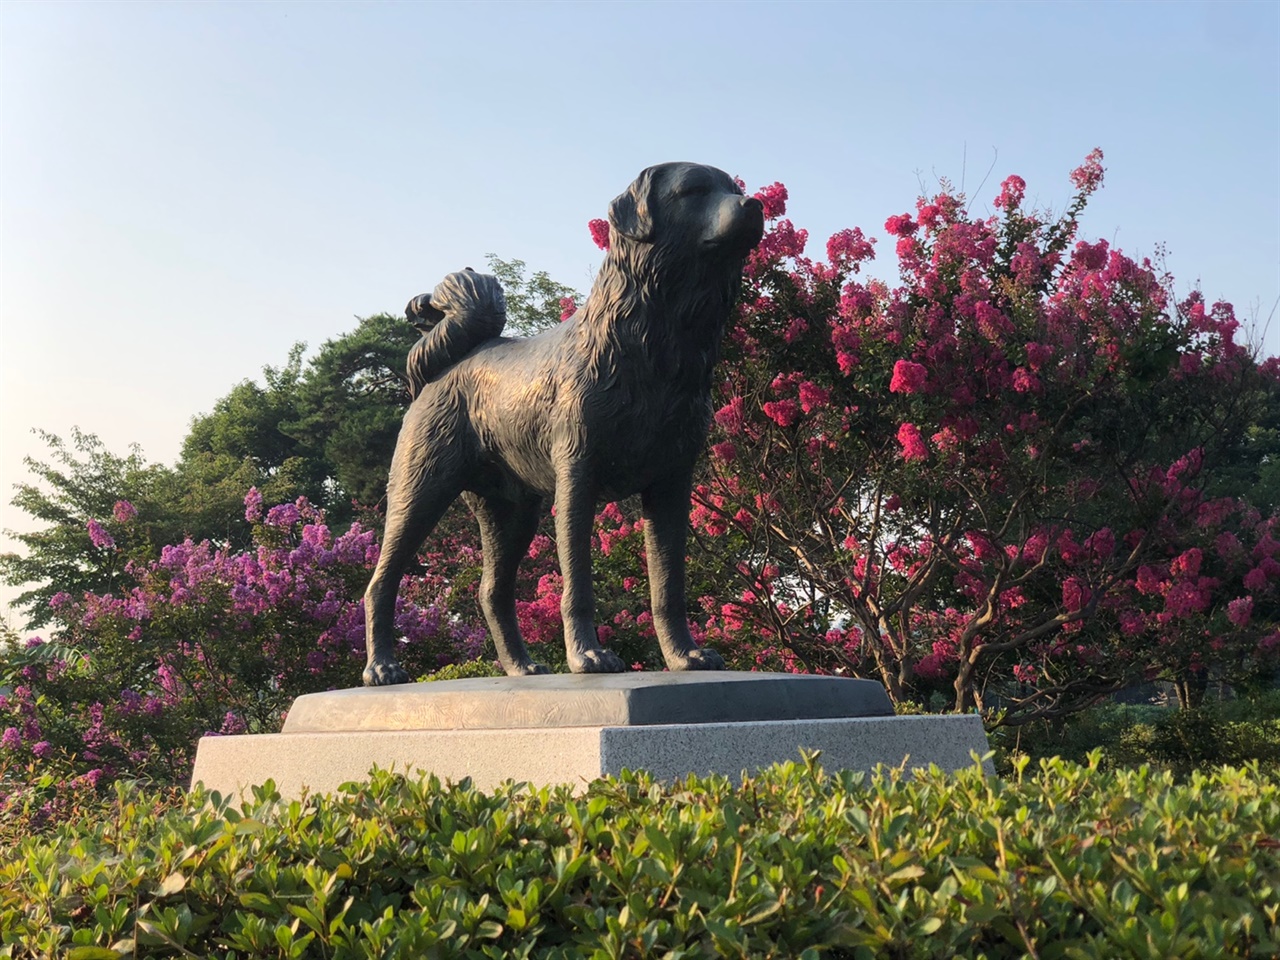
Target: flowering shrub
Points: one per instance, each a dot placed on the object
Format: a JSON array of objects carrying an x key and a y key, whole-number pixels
[
  {"x": 994, "y": 479},
  {"x": 205, "y": 641}
]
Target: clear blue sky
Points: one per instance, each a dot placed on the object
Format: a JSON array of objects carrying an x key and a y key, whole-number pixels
[{"x": 187, "y": 189}]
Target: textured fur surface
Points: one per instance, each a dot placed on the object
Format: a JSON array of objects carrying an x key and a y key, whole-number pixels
[{"x": 613, "y": 402}]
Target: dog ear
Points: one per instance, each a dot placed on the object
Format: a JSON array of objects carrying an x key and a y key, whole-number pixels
[
  {"x": 422, "y": 313},
  {"x": 629, "y": 213}
]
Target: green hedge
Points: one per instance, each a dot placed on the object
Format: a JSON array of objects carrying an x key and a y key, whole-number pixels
[
  {"x": 1217, "y": 733},
  {"x": 1063, "y": 861}
]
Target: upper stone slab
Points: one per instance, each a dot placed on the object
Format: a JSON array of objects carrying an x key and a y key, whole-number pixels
[{"x": 588, "y": 700}]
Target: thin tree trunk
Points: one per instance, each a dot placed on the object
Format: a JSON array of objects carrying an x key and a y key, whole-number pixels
[
  {"x": 1191, "y": 688},
  {"x": 965, "y": 698}
]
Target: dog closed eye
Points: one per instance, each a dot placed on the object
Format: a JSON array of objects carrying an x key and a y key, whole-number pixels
[
  {"x": 693, "y": 190},
  {"x": 694, "y": 186}
]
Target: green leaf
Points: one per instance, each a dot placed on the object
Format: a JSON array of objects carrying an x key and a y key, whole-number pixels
[
  {"x": 906, "y": 873},
  {"x": 659, "y": 840},
  {"x": 173, "y": 883},
  {"x": 764, "y": 914},
  {"x": 258, "y": 901}
]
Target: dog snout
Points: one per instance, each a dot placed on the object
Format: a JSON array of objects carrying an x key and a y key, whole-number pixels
[
  {"x": 737, "y": 225},
  {"x": 753, "y": 215}
]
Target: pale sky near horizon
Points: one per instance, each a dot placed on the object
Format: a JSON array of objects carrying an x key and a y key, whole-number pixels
[{"x": 186, "y": 189}]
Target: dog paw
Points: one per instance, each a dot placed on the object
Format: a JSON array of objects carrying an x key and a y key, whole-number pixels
[
  {"x": 384, "y": 673},
  {"x": 528, "y": 669},
  {"x": 699, "y": 658},
  {"x": 597, "y": 661}
]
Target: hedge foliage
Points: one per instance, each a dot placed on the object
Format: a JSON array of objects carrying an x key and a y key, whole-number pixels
[
  {"x": 1060, "y": 861},
  {"x": 1216, "y": 733}
]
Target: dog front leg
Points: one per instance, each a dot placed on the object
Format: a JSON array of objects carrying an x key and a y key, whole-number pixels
[
  {"x": 575, "y": 513},
  {"x": 666, "y": 528}
]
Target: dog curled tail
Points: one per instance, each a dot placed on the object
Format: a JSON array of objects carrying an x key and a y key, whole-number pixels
[{"x": 463, "y": 311}]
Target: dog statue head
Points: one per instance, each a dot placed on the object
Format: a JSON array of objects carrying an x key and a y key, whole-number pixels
[{"x": 688, "y": 205}]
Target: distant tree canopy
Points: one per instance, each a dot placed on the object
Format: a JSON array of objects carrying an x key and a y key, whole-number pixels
[
  {"x": 324, "y": 429},
  {"x": 327, "y": 428},
  {"x": 81, "y": 481}
]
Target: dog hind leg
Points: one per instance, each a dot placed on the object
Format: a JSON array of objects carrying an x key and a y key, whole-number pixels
[
  {"x": 506, "y": 530},
  {"x": 423, "y": 483},
  {"x": 666, "y": 527}
]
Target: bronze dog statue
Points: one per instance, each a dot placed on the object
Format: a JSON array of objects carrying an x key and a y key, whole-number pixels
[{"x": 614, "y": 401}]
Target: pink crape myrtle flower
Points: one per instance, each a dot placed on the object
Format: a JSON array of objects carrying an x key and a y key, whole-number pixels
[
  {"x": 1240, "y": 611},
  {"x": 813, "y": 397},
  {"x": 900, "y": 226},
  {"x": 848, "y": 248},
  {"x": 725, "y": 451},
  {"x": 913, "y": 445},
  {"x": 1255, "y": 579},
  {"x": 1025, "y": 381},
  {"x": 784, "y": 413},
  {"x": 774, "y": 198},
  {"x": 1188, "y": 563},
  {"x": 1011, "y": 193},
  {"x": 124, "y": 511},
  {"x": 927, "y": 213},
  {"x": 908, "y": 377},
  {"x": 283, "y": 515},
  {"x": 599, "y": 233},
  {"x": 732, "y": 416},
  {"x": 1088, "y": 176},
  {"x": 796, "y": 329}
]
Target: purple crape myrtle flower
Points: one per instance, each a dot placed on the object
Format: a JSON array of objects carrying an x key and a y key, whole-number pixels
[
  {"x": 101, "y": 539},
  {"x": 283, "y": 515},
  {"x": 253, "y": 505}
]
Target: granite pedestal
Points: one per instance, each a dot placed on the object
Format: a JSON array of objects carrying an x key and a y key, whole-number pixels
[{"x": 575, "y": 728}]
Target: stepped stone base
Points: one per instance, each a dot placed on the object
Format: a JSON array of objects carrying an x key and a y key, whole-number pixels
[
  {"x": 573, "y": 729},
  {"x": 589, "y": 700}
]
